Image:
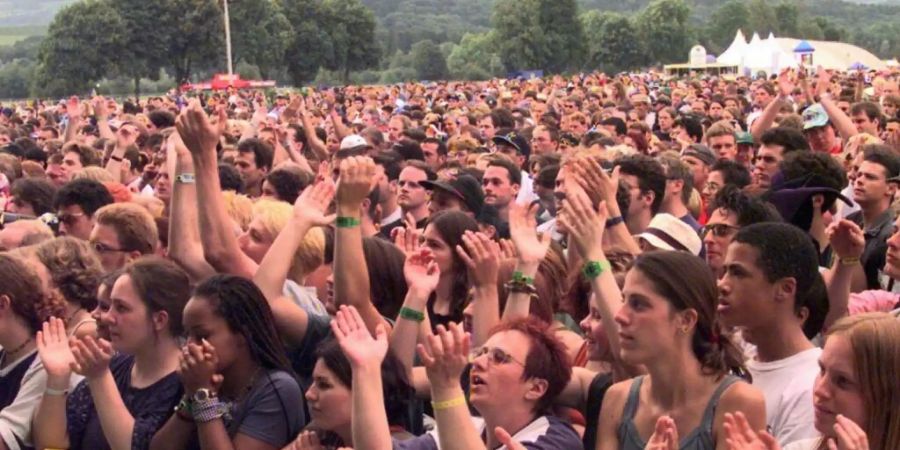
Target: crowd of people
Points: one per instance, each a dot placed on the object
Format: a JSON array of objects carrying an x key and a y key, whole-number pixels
[{"x": 615, "y": 263}]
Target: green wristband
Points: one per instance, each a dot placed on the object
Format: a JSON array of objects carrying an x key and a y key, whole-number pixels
[
  {"x": 593, "y": 269},
  {"x": 520, "y": 277},
  {"x": 347, "y": 222},
  {"x": 411, "y": 314}
]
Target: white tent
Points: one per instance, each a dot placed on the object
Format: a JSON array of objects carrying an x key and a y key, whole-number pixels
[{"x": 735, "y": 52}]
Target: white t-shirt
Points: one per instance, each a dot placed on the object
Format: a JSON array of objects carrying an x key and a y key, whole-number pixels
[
  {"x": 787, "y": 386},
  {"x": 805, "y": 444}
]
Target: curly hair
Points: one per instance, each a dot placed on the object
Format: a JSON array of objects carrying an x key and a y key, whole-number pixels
[
  {"x": 23, "y": 287},
  {"x": 74, "y": 268}
]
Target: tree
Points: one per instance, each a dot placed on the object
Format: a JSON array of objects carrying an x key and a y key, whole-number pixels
[
  {"x": 81, "y": 46},
  {"x": 350, "y": 26},
  {"x": 762, "y": 17},
  {"x": 260, "y": 34},
  {"x": 613, "y": 42},
  {"x": 311, "y": 45},
  {"x": 140, "y": 54},
  {"x": 15, "y": 78},
  {"x": 538, "y": 34},
  {"x": 663, "y": 25},
  {"x": 724, "y": 23},
  {"x": 428, "y": 61},
  {"x": 474, "y": 58},
  {"x": 196, "y": 39},
  {"x": 788, "y": 19}
]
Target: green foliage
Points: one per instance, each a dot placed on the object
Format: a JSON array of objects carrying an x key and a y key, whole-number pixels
[
  {"x": 538, "y": 34},
  {"x": 762, "y": 17},
  {"x": 613, "y": 42},
  {"x": 428, "y": 61},
  {"x": 351, "y": 30},
  {"x": 724, "y": 23},
  {"x": 196, "y": 38},
  {"x": 310, "y": 46},
  {"x": 23, "y": 49},
  {"x": 475, "y": 58},
  {"x": 15, "y": 78},
  {"x": 663, "y": 26},
  {"x": 260, "y": 34}
]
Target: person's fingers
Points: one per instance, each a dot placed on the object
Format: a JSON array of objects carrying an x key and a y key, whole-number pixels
[
  {"x": 425, "y": 355},
  {"x": 356, "y": 319},
  {"x": 769, "y": 440},
  {"x": 464, "y": 256}
]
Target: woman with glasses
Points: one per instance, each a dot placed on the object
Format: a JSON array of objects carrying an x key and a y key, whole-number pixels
[{"x": 513, "y": 378}]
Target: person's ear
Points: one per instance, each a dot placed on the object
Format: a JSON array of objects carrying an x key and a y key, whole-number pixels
[
  {"x": 687, "y": 319},
  {"x": 132, "y": 255},
  {"x": 160, "y": 320},
  {"x": 786, "y": 289},
  {"x": 5, "y": 302},
  {"x": 537, "y": 388}
]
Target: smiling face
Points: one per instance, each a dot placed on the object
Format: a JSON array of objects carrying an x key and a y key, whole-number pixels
[
  {"x": 595, "y": 336},
  {"x": 837, "y": 389}
]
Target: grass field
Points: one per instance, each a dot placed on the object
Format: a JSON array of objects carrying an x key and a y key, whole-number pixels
[{"x": 11, "y": 34}]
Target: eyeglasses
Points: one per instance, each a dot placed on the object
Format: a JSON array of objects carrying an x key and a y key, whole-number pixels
[
  {"x": 68, "y": 219},
  {"x": 719, "y": 229},
  {"x": 103, "y": 248},
  {"x": 495, "y": 355}
]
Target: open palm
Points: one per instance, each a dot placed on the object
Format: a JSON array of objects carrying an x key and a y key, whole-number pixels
[
  {"x": 53, "y": 349},
  {"x": 361, "y": 349}
]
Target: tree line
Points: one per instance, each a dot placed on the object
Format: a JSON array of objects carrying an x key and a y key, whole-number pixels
[{"x": 385, "y": 41}]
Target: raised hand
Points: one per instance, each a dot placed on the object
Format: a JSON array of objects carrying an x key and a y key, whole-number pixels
[
  {"x": 313, "y": 202},
  {"x": 482, "y": 258},
  {"x": 361, "y": 349},
  {"x": 101, "y": 111},
  {"x": 445, "y": 355},
  {"x": 665, "y": 435},
  {"x": 596, "y": 183},
  {"x": 92, "y": 357},
  {"x": 849, "y": 436},
  {"x": 740, "y": 436},
  {"x": 53, "y": 349},
  {"x": 356, "y": 181},
  {"x": 846, "y": 238},
  {"x": 407, "y": 239},
  {"x": 785, "y": 83},
  {"x": 421, "y": 272},
  {"x": 197, "y": 367},
  {"x": 823, "y": 81},
  {"x": 198, "y": 133},
  {"x": 523, "y": 231},
  {"x": 584, "y": 225},
  {"x": 73, "y": 108}
]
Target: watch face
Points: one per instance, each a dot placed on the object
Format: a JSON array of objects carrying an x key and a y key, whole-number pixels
[{"x": 201, "y": 395}]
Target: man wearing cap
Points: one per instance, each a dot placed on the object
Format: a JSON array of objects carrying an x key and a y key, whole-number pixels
[
  {"x": 746, "y": 148},
  {"x": 700, "y": 159},
  {"x": 462, "y": 193},
  {"x": 667, "y": 232},
  {"x": 874, "y": 192},
  {"x": 818, "y": 130},
  {"x": 641, "y": 105},
  {"x": 514, "y": 146}
]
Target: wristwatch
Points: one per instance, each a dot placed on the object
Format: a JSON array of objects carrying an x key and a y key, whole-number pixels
[
  {"x": 202, "y": 395},
  {"x": 185, "y": 178}
]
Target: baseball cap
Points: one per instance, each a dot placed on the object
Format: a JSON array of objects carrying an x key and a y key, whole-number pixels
[
  {"x": 667, "y": 232},
  {"x": 463, "y": 187},
  {"x": 745, "y": 138},
  {"x": 701, "y": 152},
  {"x": 514, "y": 139},
  {"x": 353, "y": 141},
  {"x": 814, "y": 117}
]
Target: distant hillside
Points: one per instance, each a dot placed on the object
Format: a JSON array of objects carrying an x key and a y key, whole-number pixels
[{"x": 29, "y": 12}]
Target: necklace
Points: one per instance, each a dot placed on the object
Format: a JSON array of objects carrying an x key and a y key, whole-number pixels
[
  {"x": 18, "y": 349},
  {"x": 74, "y": 313}
]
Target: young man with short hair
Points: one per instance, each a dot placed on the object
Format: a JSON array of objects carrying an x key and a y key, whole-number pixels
[
  {"x": 76, "y": 202},
  {"x": 122, "y": 233},
  {"x": 645, "y": 178},
  {"x": 413, "y": 197},
  {"x": 776, "y": 143},
  {"x": 253, "y": 162},
  {"x": 772, "y": 291},
  {"x": 501, "y": 183},
  {"x": 730, "y": 210}
]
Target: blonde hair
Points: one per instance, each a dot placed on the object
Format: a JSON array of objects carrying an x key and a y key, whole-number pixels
[
  {"x": 239, "y": 207},
  {"x": 274, "y": 216},
  {"x": 95, "y": 173},
  {"x": 875, "y": 340}
]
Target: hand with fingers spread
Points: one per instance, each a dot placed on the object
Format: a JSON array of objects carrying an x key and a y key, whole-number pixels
[
  {"x": 445, "y": 355},
  {"x": 785, "y": 84},
  {"x": 197, "y": 367},
  {"x": 482, "y": 258},
  {"x": 421, "y": 272},
  {"x": 361, "y": 349},
  {"x": 740, "y": 436},
  {"x": 849, "y": 436},
  {"x": 73, "y": 109},
  {"x": 407, "y": 239},
  {"x": 846, "y": 238},
  {"x": 54, "y": 351},
  {"x": 198, "y": 133},
  {"x": 101, "y": 111},
  {"x": 312, "y": 204},
  {"x": 523, "y": 230},
  {"x": 92, "y": 357},
  {"x": 508, "y": 250},
  {"x": 665, "y": 435},
  {"x": 597, "y": 183},
  {"x": 355, "y": 183},
  {"x": 506, "y": 439},
  {"x": 584, "y": 224}
]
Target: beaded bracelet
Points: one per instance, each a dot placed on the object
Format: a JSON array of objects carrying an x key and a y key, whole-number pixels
[
  {"x": 593, "y": 269},
  {"x": 208, "y": 410},
  {"x": 411, "y": 314},
  {"x": 447, "y": 404},
  {"x": 520, "y": 287},
  {"x": 346, "y": 222}
]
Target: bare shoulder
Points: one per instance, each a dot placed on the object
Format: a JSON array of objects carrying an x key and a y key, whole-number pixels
[{"x": 741, "y": 395}]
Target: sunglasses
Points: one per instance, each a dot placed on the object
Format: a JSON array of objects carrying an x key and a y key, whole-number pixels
[
  {"x": 101, "y": 248},
  {"x": 495, "y": 356},
  {"x": 719, "y": 229}
]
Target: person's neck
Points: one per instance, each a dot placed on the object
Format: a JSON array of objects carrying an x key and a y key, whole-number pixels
[
  {"x": 155, "y": 361},
  {"x": 668, "y": 391},
  {"x": 239, "y": 376},
  {"x": 778, "y": 340},
  {"x": 12, "y": 339},
  {"x": 675, "y": 208},
  {"x": 503, "y": 212},
  {"x": 511, "y": 418},
  {"x": 390, "y": 205},
  {"x": 443, "y": 294},
  {"x": 872, "y": 212},
  {"x": 253, "y": 190},
  {"x": 639, "y": 222},
  {"x": 419, "y": 212},
  {"x": 345, "y": 433}
]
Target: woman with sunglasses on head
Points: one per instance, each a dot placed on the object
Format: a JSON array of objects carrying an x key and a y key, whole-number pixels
[
  {"x": 667, "y": 323},
  {"x": 23, "y": 308},
  {"x": 855, "y": 395},
  {"x": 130, "y": 384},
  {"x": 239, "y": 391},
  {"x": 71, "y": 270}
]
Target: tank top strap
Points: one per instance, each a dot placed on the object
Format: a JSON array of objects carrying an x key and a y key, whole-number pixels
[
  {"x": 709, "y": 415},
  {"x": 634, "y": 398},
  {"x": 80, "y": 324}
]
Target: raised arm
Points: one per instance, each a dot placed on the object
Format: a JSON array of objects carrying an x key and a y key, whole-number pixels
[
  {"x": 848, "y": 242},
  {"x": 840, "y": 120},
  {"x": 530, "y": 251},
  {"x": 73, "y": 110},
  {"x": 312, "y": 139},
  {"x": 590, "y": 176},
  {"x": 101, "y": 112},
  {"x": 220, "y": 245},
  {"x": 482, "y": 258},
  {"x": 50, "y": 423},
  {"x": 767, "y": 118},
  {"x": 351, "y": 275},
  {"x": 422, "y": 275},
  {"x": 370, "y": 427},
  {"x": 184, "y": 231}
]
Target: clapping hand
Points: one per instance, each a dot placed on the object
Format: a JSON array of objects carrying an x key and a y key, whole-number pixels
[
  {"x": 445, "y": 355},
  {"x": 356, "y": 181},
  {"x": 523, "y": 231},
  {"x": 92, "y": 357},
  {"x": 197, "y": 367},
  {"x": 846, "y": 238},
  {"x": 584, "y": 224},
  {"x": 53, "y": 348},
  {"x": 312, "y": 203},
  {"x": 849, "y": 436},
  {"x": 739, "y": 435},
  {"x": 421, "y": 272},
  {"x": 407, "y": 239},
  {"x": 361, "y": 349},
  {"x": 482, "y": 258},
  {"x": 198, "y": 133},
  {"x": 665, "y": 435}
]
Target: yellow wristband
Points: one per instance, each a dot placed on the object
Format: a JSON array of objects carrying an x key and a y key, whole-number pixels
[
  {"x": 447, "y": 404},
  {"x": 850, "y": 261}
]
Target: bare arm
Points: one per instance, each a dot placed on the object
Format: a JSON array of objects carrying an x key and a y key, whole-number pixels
[
  {"x": 482, "y": 258},
  {"x": 312, "y": 139},
  {"x": 115, "y": 419},
  {"x": 340, "y": 128},
  {"x": 848, "y": 242}
]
